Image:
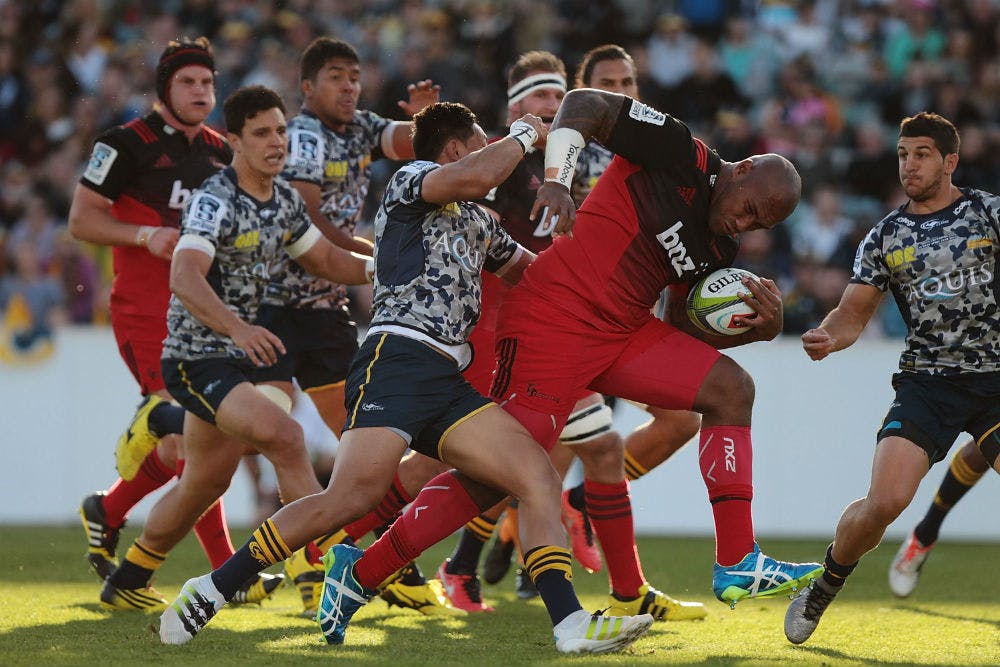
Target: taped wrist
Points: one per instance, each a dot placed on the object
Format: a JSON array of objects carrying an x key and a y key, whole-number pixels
[
  {"x": 562, "y": 148},
  {"x": 524, "y": 134},
  {"x": 143, "y": 234}
]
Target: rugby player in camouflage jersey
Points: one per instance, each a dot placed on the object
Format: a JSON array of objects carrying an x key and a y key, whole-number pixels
[
  {"x": 936, "y": 254},
  {"x": 331, "y": 145},
  {"x": 405, "y": 389},
  {"x": 234, "y": 231}
]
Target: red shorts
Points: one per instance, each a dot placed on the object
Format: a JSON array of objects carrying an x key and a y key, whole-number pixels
[
  {"x": 140, "y": 342},
  {"x": 548, "y": 359},
  {"x": 480, "y": 372}
]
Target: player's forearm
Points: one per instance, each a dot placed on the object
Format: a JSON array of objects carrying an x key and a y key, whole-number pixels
[
  {"x": 332, "y": 262},
  {"x": 590, "y": 112},
  {"x": 843, "y": 328},
  {"x": 483, "y": 170},
  {"x": 96, "y": 225},
  {"x": 203, "y": 303}
]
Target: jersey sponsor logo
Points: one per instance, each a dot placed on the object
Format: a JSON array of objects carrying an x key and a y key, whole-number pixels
[
  {"x": 954, "y": 284},
  {"x": 206, "y": 213},
  {"x": 900, "y": 257},
  {"x": 101, "y": 160},
  {"x": 179, "y": 195},
  {"x": 646, "y": 114},
  {"x": 306, "y": 146},
  {"x": 931, "y": 224},
  {"x": 670, "y": 239},
  {"x": 247, "y": 240},
  {"x": 458, "y": 247}
]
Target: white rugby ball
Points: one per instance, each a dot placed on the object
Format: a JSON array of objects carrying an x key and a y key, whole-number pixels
[{"x": 713, "y": 304}]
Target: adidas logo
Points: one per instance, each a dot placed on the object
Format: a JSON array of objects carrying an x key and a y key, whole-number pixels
[
  {"x": 163, "y": 162},
  {"x": 687, "y": 194}
]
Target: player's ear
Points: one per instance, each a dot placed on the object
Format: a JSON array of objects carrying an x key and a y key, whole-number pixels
[{"x": 306, "y": 86}]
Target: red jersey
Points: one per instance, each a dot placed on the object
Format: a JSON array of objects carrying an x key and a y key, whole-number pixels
[
  {"x": 643, "y": 227},
  {"x": 149, "y": 169}
]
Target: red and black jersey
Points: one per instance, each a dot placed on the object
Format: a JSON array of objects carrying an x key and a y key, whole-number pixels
[
  {"x": 643, "y": 227},
  {"x": 149, "y": 169},
  {"x": 513, "y": 200}
]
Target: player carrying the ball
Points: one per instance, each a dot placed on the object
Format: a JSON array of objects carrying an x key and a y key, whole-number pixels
[{"x": 666, "y": 212}]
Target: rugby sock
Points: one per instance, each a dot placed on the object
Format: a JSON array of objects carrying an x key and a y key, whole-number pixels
[
  {"x": 213, "y": 534},
  {"x": 123, "y": 496},
  {"x": 551, "y": 570},
  {"x": 442, "y": 507},
  {"x": 836, "y": 574},
  {"x": 264, "y": 548},
  {"x": 465, "y": 558},
  {"x": 956, "y": 483},
  {"x": 166, "y": 419},
  {"x": 395, "y": 499},
  {"x": 609, "y": 507},
  {"x": 138, "y": 567},
  {"x": 725, "y": 454},
  {"x": 633, "y": 469}
]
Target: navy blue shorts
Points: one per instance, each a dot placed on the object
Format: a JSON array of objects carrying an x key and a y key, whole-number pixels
[
  {"x": 400, "y": 383},
  {"x": 931, "y": 410},
  {"x": 201, "y": 385},
  {"x": 319, "y": 345}
]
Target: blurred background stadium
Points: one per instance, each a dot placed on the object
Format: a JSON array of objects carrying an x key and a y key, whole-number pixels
[{"x": 823, "y": 82}]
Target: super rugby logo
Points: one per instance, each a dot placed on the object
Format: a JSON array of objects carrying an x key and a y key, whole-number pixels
[
  {"x": 205, "y": 214},
  {"x": 101, "y": 160},
  {"x": 670, "y": 239}
]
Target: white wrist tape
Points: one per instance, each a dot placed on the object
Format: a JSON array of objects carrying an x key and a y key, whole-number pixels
[
  {"x": 562, "y": 148},
  {"x": 143, "y": 234},
  {"x": 370, "y": 269},
  {"x": 524, "y": 134}
]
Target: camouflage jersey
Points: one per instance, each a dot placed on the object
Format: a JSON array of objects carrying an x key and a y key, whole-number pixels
[
  {"x": 593, "y": 160},
  {"x": 941, "y": 270},
  {"x": 428, "y": 260},
  {"x": 250, "y": 243},
  {"x": 340, "y": 164}
]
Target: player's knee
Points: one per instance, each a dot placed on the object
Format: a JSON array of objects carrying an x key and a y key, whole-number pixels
[
  {"x": 727, "y": 390},
  {"x": 884, "y": 508},
  {"x": 605, "y": 452}
]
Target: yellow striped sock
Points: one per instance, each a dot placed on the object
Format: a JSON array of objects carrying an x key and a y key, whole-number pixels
[
  {"x": 144, "y": 557},
  {"x": 545, "y": 558},
  {"x": 962, "y": 472},
  {"x": 633, "y": 469},
  {"x": 324, "y": 543},
  {"x": 267, "y": 546},
  {"x": 481, "y": 527}
]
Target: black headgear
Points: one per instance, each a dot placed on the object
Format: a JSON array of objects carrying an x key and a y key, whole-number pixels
[{"x": 178, "y": 55}]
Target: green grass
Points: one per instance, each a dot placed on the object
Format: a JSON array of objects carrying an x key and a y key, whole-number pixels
[{"x": 49, "y": 615}]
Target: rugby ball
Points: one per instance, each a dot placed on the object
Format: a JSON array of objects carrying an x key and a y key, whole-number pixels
[{"x": 713, "y": 304}]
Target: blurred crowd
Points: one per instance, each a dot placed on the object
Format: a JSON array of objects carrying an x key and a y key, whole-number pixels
[{"x": 823, "y": 82}]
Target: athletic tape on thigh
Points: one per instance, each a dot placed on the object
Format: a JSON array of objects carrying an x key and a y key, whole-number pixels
[
  {"x": 586, "y": 424},
  {"x": 278, "y": 397}
]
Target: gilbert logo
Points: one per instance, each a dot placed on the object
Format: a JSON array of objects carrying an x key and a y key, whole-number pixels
[
  {"x": 671, "y": 240},
  {"x": 729, "y": 448}
]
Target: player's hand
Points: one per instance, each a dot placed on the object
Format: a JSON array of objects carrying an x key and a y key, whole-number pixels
[
  {"x": 765, "y": 299},
  {"x": 161, "y": 242},
  {"x": 262, "y": 346},
  {"x": 537, "y": 124},
  {"x": 818, "y": 343},
  {"x": 422, "y": 94},
  {"x": 554, "y": 210}
]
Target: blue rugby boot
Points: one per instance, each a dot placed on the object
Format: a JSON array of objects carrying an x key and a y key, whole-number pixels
[
  {"x": 342, "y": 594},
  {"x": 760, "y": 576}
]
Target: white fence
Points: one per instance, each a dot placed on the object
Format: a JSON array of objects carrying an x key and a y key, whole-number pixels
[{"x": 813, "y": 433}]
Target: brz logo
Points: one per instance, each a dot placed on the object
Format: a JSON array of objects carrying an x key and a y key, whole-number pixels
[
  {"x": 179, "y": 195},
  {"x": 671, "y": 240}
]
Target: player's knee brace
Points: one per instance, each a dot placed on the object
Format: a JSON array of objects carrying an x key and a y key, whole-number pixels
[{"x": 587, "y": 424}]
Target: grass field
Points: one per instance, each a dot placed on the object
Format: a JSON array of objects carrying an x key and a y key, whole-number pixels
[{"x": 49, "y": 615}]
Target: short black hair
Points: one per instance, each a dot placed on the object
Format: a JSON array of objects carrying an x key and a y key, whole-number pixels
[
  {"x": 439, "y": 123},
  {"x": 599, "y": 54},
  {"x": 246, "y": 103},
  {"x": 322, "y": 50},
  {"x": 935, "y": 126}
]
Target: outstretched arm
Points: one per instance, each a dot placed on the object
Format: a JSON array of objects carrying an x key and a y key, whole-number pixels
[{"x": 844, "y": 324}]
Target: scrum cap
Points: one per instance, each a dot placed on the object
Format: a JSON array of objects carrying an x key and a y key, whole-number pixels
[{"x": 180, "y": 54}]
